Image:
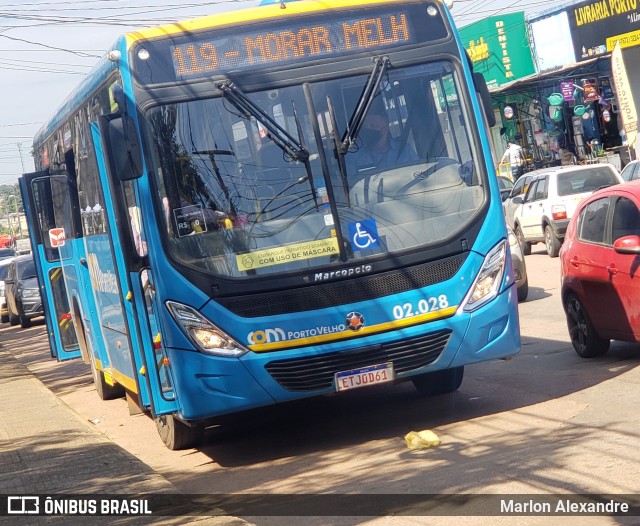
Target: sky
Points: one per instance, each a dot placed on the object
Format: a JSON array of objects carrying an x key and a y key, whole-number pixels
[{"x": 46, "y": 47}]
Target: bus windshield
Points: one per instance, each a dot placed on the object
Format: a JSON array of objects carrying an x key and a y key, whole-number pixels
[{"x": 238, "y": 203}]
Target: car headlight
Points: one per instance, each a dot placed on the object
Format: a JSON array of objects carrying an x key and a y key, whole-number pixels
[
  {"x": 203, "y": 334},
  {"x": 29, "y": 293},
  {"x": 487, "y": 283}
]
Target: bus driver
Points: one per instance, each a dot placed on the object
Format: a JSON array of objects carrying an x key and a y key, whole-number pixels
[{"x": 377, "y": 148}]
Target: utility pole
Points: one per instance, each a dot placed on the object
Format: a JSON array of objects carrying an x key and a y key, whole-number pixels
[
  {"x": 20, "y": 152},
  {"x": 15, "y": 198}
]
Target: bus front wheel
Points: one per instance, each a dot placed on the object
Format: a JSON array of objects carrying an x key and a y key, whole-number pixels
[
  {"x": 439, "y": 382},
  {"x": 176, "y": 435}
]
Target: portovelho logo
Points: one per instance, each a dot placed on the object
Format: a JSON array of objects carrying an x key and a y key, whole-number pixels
[
  {"x": 100, "y": 280},
  {"x": 278, "y": 335}
]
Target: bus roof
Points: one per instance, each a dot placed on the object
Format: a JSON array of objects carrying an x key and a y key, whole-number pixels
[
  {"x": 244, "y": 15},
  {"x": 261, "y": 12},
  {"x": 89, "y": 83}
]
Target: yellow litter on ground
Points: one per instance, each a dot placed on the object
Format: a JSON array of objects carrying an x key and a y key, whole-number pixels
[{"x": 421, "y": 439}]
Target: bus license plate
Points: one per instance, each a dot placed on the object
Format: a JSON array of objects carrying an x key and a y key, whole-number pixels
[{"x": 374, "y": 374}]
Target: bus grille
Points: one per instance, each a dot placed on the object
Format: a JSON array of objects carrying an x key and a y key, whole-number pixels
[
  {"x": 344, "y": 291},
  {"x": 317, "y": 372}
]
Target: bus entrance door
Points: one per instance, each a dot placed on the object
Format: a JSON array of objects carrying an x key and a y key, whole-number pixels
[{"x": 47, "y": 238}]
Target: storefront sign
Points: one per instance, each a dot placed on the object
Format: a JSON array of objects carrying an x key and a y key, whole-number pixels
[
  {"x": 625, "y": 95},
  {"x": 567, "y": 89},
  {"x": 596, "y": 25},
  {"x": 508, "y": 112},
  {"x": 499, "y": 48},
  {"x": 590, "y": 93},
  {"x": 552, "y": 41}
]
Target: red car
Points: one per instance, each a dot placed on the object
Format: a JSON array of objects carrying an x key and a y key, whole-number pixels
[{"x": 600, "y": 261}]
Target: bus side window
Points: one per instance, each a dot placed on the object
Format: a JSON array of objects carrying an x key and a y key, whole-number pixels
[{"x": 135, "y": 219}]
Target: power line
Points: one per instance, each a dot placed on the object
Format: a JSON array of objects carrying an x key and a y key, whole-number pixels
[
  {"x": 20, "y": 124},
  {"x": 79, "y": 53}
]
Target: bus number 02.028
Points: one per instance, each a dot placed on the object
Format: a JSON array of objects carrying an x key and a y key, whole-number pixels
[{"x": 424, "y": 305}]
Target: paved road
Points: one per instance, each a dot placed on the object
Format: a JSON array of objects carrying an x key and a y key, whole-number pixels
[{"x": 545, "y": 422}]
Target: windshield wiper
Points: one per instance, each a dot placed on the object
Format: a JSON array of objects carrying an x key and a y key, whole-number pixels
[
  {"x": 380, "y": 66},
  {"x": 340, "y": 156},
  {"x": 281, "y": 137},
  {"x": 324, "y": 165}
]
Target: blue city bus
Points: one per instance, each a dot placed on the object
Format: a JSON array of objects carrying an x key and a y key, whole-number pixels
[{"x": 273, "y": 203}]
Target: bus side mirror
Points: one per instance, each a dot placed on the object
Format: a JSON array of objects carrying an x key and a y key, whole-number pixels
[
  {"x": 125, "y": 154},
  {"x": 485, "y": 98}
]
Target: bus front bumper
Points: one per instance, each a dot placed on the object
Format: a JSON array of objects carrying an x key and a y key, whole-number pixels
[{"x": 207, "y": 386}]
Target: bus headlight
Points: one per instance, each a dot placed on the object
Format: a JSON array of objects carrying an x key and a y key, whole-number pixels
[
  {"x": 489, "y": 279},
  {"x": 203, "y": 334}
]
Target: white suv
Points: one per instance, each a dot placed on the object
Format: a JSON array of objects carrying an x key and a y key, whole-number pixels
[{"x": 544, "y": 212}]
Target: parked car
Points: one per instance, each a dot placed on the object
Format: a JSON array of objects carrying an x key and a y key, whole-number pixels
[
  {"x": 544, "y": 212},
  {"x": 505, "y": 185},
  {"x": 631, "y": 171},
  {"x": 7, "y": 252},
  {"x": 519, "y": 266},
  {"x": 22, "y": 291},
  {"x": 599, "y": 263},
  {"x": 520, "y": 187},
  {"x": 4, "y": 267}
]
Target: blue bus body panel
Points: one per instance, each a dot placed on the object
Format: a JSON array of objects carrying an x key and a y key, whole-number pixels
[
  {"x": 211, "y": 385},
  {"x": 109, "y": 281},
  {"x": 45, "y": 269},
  {"x": 204, "y": 385}
]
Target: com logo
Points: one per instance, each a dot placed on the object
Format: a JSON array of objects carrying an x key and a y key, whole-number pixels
[{"x": 266, "y": 336}]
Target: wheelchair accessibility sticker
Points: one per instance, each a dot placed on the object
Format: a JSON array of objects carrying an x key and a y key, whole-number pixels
[{"x": 364, "y": 234}]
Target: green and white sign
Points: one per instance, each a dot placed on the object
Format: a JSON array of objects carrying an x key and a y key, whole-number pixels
[{"x": 499, "y": 48}]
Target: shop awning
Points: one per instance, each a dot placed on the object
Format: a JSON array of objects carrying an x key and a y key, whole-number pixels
[{"x": 570, "y": 70}]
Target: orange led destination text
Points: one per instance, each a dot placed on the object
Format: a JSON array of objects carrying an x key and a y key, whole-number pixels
[{"x": 285, "y": 45}]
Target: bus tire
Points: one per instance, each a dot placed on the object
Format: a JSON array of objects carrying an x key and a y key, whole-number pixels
[
  {"x": 104, "y": 390},
  {"x": 176, "y": 435},
  {"x": 439, "y": 382}
]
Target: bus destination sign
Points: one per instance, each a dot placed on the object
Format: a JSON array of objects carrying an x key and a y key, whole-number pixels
[{"x": 298, "y": 42}]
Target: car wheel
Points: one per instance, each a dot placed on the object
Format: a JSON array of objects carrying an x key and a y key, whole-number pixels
[
  {"x": 583, "y": 336},
  {"x": 438, "y": 382},
  {"x": 13, "y": 320},
  {"x": 4, "y": 318},
  {"x": 523, "y": 290},
  {"x": 526, "y": 247},
  {"x": 552, "y": 243},
  {"x": 25, "y": 322}
]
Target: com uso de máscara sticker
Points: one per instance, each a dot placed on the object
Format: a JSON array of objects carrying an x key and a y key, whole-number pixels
[{"x": 287, "y": 253}]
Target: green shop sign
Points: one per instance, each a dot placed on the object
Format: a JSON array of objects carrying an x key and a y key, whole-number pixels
[{"x": 499, "y": 48}]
